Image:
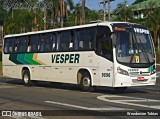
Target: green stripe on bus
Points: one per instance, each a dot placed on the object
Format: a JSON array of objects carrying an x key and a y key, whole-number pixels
[
  {"x": 13, "y": 58},
  {"x": 29, "y": 58},
  {"x": 21, "y": 58},
  {"x": 150, "y": 69}
]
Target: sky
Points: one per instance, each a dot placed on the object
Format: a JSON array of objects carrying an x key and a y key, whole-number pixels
[{"x": 93, "y": 4}]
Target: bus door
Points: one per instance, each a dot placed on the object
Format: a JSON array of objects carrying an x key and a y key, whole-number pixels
[
  {"x": 105, "y": 52},
  {"x": 105, "y": 66}
]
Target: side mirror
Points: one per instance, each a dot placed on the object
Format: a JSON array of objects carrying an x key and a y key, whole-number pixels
[{"x": 113, "y": 37}]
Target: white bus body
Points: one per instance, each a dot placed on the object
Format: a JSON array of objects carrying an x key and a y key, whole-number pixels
[{"x": 104, "y": 60}]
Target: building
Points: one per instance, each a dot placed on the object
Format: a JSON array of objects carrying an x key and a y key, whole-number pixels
[{"x": 139, "y": 8}]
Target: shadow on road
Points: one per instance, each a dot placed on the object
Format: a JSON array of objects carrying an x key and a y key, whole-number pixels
[{"x": 72, "y": 87}]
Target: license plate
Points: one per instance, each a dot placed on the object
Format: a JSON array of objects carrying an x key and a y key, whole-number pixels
[{"x": 140, "y": 78}]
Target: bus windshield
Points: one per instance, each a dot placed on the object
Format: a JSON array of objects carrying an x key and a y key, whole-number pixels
[{"x": 134, "y": 46}]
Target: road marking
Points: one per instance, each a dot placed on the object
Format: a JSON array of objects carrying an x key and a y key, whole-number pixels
[
  {"x": 130, "y": 99},
  {"x": 87, "y": 108}
]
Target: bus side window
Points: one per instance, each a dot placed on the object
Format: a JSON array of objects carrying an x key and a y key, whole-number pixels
[
  {"x": 42, "y": 43},
  {"x": 84, "y": 39},
  {"x": 22, "y": 44},
  {"x": 16, "y": 44},
  {"x": 80, "y": 40},
  {"x": 76, "y": 42},
  {"x": 92, "y": 37},
  {"x": 46, "y": 42},
  {"x": 72, "y": 41},
  {"x": 34, "y": 43},
  {"x": 53, "y": 42},
  {"x": 64, "y": 41},
  {"x": 28, "y": 43},
  {"x": 84, "y": 43},
  {"x": 9, "y": 45}
]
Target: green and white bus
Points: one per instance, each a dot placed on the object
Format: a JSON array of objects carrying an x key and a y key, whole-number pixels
[{"x": 111, "y": 54}]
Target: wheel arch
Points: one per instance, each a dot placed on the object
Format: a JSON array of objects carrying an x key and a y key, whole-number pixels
[
  {"x": 80, "y": 72},
  {"x": 26, "y": 68}
]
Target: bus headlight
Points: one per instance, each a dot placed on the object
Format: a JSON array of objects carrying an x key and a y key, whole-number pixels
[
  {"x": 121, "y": 71},
  {"x": 154, "y": 71}
]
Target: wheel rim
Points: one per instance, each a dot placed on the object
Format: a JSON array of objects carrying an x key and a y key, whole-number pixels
[
  {"x": 86, "y": 82},
  {"x": 26, "y": 78}
]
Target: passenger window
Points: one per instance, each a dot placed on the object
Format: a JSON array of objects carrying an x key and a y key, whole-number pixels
[
  {"x": 84, "y": 39},
  {"x": 34, "y": 43},
  {"x": 53, "y": 42},
  {"x": 46, "y": 42},
  {"x": 21, "y": 44},
  {"x": 76, "y": 43},
  {"x": 42, "y": 43},
  {"x": 64, "y": 41},
  {"x": 9, "y": 45}
]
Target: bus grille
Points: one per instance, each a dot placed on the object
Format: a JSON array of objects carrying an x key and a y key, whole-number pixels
[{"x": 135, "y": 74}]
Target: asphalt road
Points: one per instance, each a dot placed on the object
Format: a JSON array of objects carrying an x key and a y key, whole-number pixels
[{"x": 67, "y": 101}]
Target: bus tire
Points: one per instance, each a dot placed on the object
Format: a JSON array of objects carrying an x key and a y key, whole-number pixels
[
  {"x": 26, "y": 78},
  {"x": 120, "y": 89},
  {"x": 85, "y": 83}
]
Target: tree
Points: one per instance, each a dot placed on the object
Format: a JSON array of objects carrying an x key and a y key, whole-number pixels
[
  {"x": 83, "y": 12},
  {"x": 2, "y": 13},
  {"x": 77, "y": 15},
  {"x": 123, "y": 13},
  {"x": 64, "y": 9},
  {"x": 18, "y": 20},
  {"x": 153, "y": 22},
  {"x": 55, "y": 9},
  {"x": 138, "y": 1},
  {"x": 60, "y": 11}
]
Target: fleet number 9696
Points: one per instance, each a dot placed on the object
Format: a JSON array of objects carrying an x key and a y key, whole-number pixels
[{"x": 105, "y": 74}]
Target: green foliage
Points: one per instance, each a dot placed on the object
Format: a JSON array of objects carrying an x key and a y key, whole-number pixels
[
  {"x": 0, "y": 55},
  {"x": 123, "y": 13},
  {"x": 3, "y": 15},
  {"x": 23, "y": 20},
  {"x": 0, "y": 60},
  {"x": 138, "y": 1}
]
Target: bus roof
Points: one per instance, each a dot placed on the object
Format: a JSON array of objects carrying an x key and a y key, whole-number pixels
[{"x": 106, "y": 23}]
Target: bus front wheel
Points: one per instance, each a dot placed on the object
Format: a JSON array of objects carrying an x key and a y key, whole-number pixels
[
  {"x": 26, "y": 78},
  {"x": 85, "y": 83}
]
